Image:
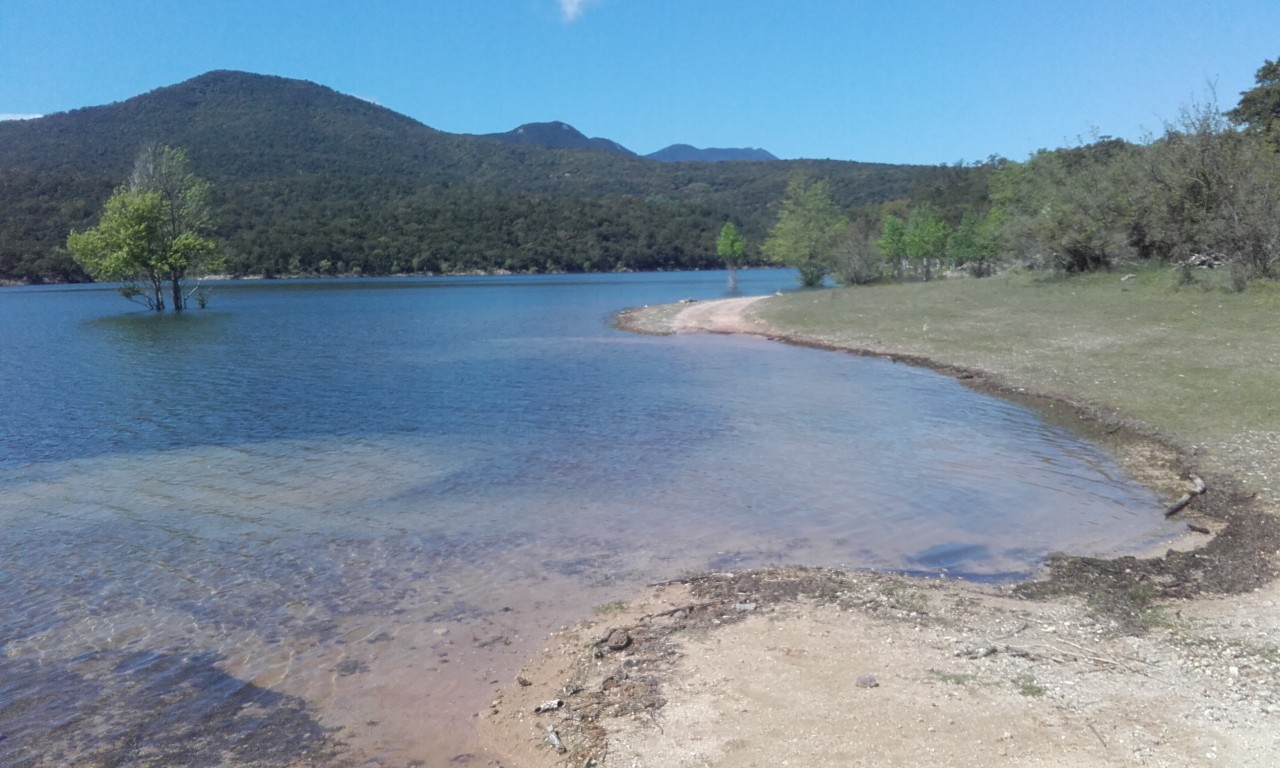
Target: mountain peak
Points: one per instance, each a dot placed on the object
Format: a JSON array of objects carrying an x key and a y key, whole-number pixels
[
  {"x": 683, "y": 153},
  {"x": 556, "y": 135}
]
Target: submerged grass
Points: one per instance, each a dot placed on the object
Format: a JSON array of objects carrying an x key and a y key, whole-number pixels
[{"x": 1198, "y": 362}]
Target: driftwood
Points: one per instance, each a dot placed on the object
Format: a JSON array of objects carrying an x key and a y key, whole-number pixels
[
  {"x": 1198, "y": 528},
  {"x": 1178, "y": 505},
  {"x": 1198, "y": 487}
]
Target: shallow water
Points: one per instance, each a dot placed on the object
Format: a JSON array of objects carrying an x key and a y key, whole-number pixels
[{"x": 345, "y": 510}]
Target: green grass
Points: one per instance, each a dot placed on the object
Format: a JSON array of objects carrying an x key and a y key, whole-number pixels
[
  {"x": 953, "y": 678},
  {"x": 1027, "y": 686},
  {"x": 1197, "y": 362},
  {"x": 605, "y": 609},
  {"x": 905, "y": 598}
]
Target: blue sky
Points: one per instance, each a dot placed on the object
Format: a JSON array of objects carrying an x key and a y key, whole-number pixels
[{"x": 912, "y": 81}]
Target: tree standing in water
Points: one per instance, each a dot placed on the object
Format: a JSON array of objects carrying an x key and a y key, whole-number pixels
[
  {"x": 730, "y": 246},
  {"x": 151, "y": 235}
]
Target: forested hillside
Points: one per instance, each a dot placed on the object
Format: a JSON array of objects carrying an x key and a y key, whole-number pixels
[{"x": 307, "y": 180}]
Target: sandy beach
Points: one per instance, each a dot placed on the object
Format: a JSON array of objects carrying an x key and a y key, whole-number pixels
[{"x": 808, "y": 667}]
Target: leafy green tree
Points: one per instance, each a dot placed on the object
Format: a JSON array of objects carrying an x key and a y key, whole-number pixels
[
  {"x": 151, "y": 233},
  {"x": 925, "y": 238},
  {"x": 1209, "y": 190},
  {"x": 977, "y": 243},
  {"x": 806, "y": 232},
  {"x": 1259, "y": 107},
  {"x": 1070, "y": 209},
  {"x": 893, "y": 243},
  {"x": 730, "y": 245}
]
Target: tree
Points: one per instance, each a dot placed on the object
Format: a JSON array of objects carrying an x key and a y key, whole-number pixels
[
  {"x": 729, "y": 247},
  {"x": 808, "y": 228},
  {"x": 1210, "y": 190},
  {"x": 1070, "y": 209},
  {"x": 925, "y": 238},
  {"x": 893, "y": 243},
  {"x": 151, "y": 233},
  {"x": 857, "y": 258},
  {"x": 1259, "y": 107},
  {"x": 977, "y": 242}
]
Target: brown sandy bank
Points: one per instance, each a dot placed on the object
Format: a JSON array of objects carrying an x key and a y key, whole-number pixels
[{"x": 1170, "y": 660}]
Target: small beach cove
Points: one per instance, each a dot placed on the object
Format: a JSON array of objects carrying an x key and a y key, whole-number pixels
[
  {"x": 1164, "y": 660},
  {"x": 341, "y": 548}
]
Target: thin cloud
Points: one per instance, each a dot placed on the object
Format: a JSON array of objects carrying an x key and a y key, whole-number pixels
[
  {"x": 572, "y": 9},
  {"x": 17, "y": 116}
]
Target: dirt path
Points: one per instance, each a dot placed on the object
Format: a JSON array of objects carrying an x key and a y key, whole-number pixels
[
  {"x": 721, "y": 316},
  {"x": 813, "y": 667}
]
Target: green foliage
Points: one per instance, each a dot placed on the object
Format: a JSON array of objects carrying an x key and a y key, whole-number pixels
[
  {"x": 807, "y": 231},
  {"x": 304, "y": 175},
  {"x": 893, "y": 243},
  {"x": 1259, "y": 107},
  {"x": 1201, "y": 192},
  {"x": 1209, "y": 190},
  {"x": 925, "y": 238},
  {"x": 1070, "y": 209},
  {"x": 956, "y": 189},
  {"x": 730, "y": 245},
  {"x": 150, "y": 234},
  {"x": 978, "y": 242},
  {"x": 122, "y": 247}
]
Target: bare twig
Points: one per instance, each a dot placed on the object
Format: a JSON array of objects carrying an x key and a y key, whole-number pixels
[{"x": 1101, "y": 740}]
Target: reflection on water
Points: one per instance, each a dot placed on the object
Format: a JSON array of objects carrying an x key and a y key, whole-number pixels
[{"x": 335, "y": 516}]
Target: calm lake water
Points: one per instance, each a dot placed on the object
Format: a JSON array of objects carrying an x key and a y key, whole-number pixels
[{"x": 348, "y": 509}]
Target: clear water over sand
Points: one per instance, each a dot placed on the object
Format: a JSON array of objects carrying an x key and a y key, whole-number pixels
[{"x": 346, "y": 510}]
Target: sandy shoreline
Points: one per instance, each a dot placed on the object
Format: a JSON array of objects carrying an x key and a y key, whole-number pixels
[{"x": 1170, "y": 660}]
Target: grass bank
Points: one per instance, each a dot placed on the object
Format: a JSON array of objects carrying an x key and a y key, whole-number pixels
[{"x": 1198, "y": 363}]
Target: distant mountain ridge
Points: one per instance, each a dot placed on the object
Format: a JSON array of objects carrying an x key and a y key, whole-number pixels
[
  {"x": 683, "y": 153},
  {"x": 556, "y": 135},
  {"x": 307, "y": 180}
]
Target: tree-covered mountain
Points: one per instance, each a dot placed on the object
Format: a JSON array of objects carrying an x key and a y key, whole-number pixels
[
  {"x": 306, "y": 179},
  {"x": 683, "y": 153},
  {"x": 556, "y": 135}
]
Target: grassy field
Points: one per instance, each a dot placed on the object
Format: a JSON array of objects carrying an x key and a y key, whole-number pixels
[{"x": 1197, "y": 362}]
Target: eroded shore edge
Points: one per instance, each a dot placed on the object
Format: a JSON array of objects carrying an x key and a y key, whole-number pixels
[{"x": 601, "y": 703}]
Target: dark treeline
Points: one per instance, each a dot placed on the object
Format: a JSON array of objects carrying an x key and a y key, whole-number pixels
[
  {"x": 315, "y": 229},
  {"x": 307, "y": 180}
]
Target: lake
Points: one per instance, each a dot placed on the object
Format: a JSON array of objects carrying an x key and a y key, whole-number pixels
[{"x": 349, "y": 509}]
